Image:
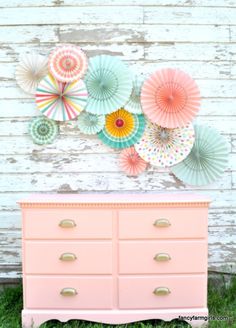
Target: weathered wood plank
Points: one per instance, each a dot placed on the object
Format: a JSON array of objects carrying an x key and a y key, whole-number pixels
[
  {"x": 67, "y": 182},
  {"x": 170, "y": 3},
  {"x": 186, "y": 15},
  {"x": 72, "y": 15}
]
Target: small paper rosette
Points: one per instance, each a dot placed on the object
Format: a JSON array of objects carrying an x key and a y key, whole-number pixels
[
  {"x": 163, "y": 147},
  {"x": 207, "y": 160},
  {"x": 30, "y": 71},
  {"x": 67, "y": 63},
  {"x": 90, "y": 123},
  {"x": 134, "y": 103},
  {"x": 122, "y": 129},
  {"x": 131, "y": 163},
  {"x": 109, "y": 84},
  {"x": 42, "y": 130}
]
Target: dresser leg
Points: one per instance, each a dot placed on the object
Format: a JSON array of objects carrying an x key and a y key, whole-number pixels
[
  {"x": 29, "y": 321},
  {"x": 198, "y": 323}
]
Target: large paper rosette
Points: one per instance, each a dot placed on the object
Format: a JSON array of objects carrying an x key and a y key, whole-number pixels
[
  {"x": 109, "y": 84},
  {"x": 131, "y": 163},
  {"x": 61, "y": 101},
  {"x": 134, "y": 103},
  {"x": 170, "y": 98},
  {"x": 67, "y": 63},
  {"x": 90, "y": 123},
  {"x": 42, "y": 130},
  {"x": 122, "y": 129},
  {"x": 165, "y": 147},
  {"x": 30, "y": 71},
  {"x": 207, "y": 160}
]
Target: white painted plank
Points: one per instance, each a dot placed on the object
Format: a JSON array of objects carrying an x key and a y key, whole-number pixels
[
  {"x": 190, "y": 51},
  {"x": 70, "y": 182},
  {"x": 234, "y": 144},
  {"x": 170, "y": 3},
  {"x": 192, "y": 15},
  {"x": 10, "y": 220},
  {"x": 72, "y": 15}
]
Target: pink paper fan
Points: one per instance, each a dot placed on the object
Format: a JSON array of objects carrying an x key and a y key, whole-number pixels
[
  {"x": 67, "y": 63},
  {"x": 131, "y": 163},
  {"x": 170, "y": 98}
]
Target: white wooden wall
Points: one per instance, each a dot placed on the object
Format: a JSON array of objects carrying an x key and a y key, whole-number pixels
[{"x": 198, "y": 36}]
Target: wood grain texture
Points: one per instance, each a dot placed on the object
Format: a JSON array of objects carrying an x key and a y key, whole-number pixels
[{"x": 196, "y": 36}]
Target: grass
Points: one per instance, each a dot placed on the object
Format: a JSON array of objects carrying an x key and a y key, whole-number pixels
[{"x": 221, "y": 301}]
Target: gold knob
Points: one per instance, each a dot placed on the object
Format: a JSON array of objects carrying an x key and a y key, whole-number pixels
[
  {"x": 67, "y": 224},
  {"x": 159, "y": 291},
  {"x": 161, "y": 257},
  {"x": 68, "y": 257},
  {"x": 68, "y": 291},
  {"x": 162, "y": 223}
]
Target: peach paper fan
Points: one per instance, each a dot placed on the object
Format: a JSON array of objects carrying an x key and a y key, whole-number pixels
[{"x": 131, "y": 163}]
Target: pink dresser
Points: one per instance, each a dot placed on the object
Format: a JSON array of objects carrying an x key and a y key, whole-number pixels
[{"x": 114, "y": 258}]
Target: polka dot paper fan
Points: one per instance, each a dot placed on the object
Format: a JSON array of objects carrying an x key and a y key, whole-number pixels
[
  {"x": 170, "y": 98},
  {"x": 67, "y": 63},
  {"x": 165, "y": 147}
]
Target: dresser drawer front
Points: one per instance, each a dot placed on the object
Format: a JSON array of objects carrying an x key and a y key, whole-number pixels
[
  {"x": 53, "y": 224},
  {"x": 162, "y": 257},
  {"x": 185, "y": 291},
  {"x": 163, "y": 223},
  {"x": 68, "y": 257},
  {"x": 45, "y": 292}
]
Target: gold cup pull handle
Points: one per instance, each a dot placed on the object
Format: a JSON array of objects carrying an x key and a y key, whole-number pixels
[
  {"x": 162, "y": 257},
  {"x": 67, "y": 223},
  {"x": 162, "y": 223},
  {"x": 68, "y": 257},
  {"x": 68, "y": 291},
  {"x": 159, "y": 291}
]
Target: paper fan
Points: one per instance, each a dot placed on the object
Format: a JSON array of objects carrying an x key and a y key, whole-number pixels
[
  {"x": 165, "y": 147},
  {"x": 170, "y": 98},
  {"x": 67, "y": 63},
  {"x": 30, "y": 71},
  {"x": 42, "y": 130},
  {"x": 131, "y": 163},
  {"x": 134, "y": 104},
  {"x": 90, "y": 123},
  {"x": 60, "y": 101},
  {"x": 207, "y": 160},
  {"x": 122, "y": 129},
  {"x": 109, "y": 84}
]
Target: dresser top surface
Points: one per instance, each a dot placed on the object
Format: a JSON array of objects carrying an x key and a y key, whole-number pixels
[{"x": 157, "y": 198}]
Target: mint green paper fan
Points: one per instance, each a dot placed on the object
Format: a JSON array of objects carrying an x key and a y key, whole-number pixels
[
  {"x": 42, "y": 130},
  {"x": 109, "y": 84},
  {"x": 134, "y": 105},
  {"x": 90, "y": 123},
  {"x": 124, "y": 139},
  {"x": 207, "y": 160}
]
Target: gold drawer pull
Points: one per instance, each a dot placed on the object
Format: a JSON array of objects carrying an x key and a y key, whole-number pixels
[
  {"x": 67, "y": 224},
  {"x": 162, "y": 223},
  {"x": 68, "y": 292},
  {"x": 68, "y": 257},
  {"x": 161, "y": 257},
  {"x": 159, "y": 291}
]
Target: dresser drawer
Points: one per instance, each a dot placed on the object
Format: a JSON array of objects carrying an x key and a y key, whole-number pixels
[
  {"x": 68, "y": 257},
  {"x": 163, "y": 223},
  {"x": 162, "y": 257},
  {"x": 185, "y": 291},
  {"x": 67, "y": 224},
  {"x": 58, "y": 292}
]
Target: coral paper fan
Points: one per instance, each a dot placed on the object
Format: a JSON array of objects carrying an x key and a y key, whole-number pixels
[
  {"x": 42, "y": 130},
  {"x": 170, "y": 98},
  {"x": 165, "y": 147},
  {"x": 109, "y": 84},
  {"x": 207, "y": 160},
  {"x": 131, "y": 163},
  {"x": 61, "y": 101},
  {"x": 122, "y": 129},
  {"x": 90, "y": 123},
  {"x": 30, "y": 71},
  {"x": 67, "y": 63}
]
